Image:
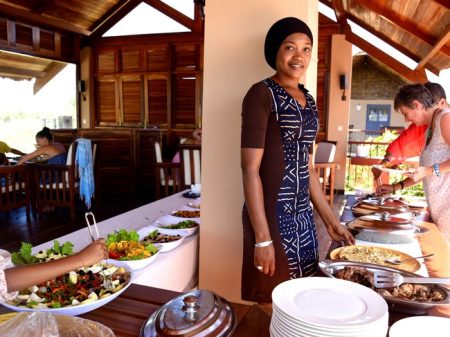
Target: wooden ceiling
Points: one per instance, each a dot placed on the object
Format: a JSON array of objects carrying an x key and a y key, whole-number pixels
[{"x": 420, "y": 29}]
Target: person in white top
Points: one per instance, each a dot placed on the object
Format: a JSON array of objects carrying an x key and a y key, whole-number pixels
[{"x": 416, "y": 103}]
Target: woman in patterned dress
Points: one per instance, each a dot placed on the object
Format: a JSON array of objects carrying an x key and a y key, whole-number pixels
[
  {"x": 279, "y": 125},
  {"x": 418, "y": 106}
]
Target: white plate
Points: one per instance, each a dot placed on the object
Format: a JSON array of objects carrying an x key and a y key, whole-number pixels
[
  {"x": 81, "y": 308},
  {"x": 386, "y": 169},
  {"x": 421, "y": 326},
  {"x": 321, "y": 301},
  {"x": 166, "y": 246}
]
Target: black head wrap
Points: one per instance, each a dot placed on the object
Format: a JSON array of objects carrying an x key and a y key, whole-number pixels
[{"x": 279, "y": 31}]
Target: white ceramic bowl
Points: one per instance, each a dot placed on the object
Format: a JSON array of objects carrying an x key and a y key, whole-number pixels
[
  {"x": 81, "y": 308},
  {"x": 166, "y": 246},
  {"x": 168, "y": 220},
  {"x": 139, "y": 264}
]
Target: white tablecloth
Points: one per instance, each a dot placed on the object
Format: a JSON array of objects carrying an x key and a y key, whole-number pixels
[{"x": 175, "y": 270}]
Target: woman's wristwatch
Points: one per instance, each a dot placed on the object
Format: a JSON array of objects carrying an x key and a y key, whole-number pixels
[{"x": 436, "y": 171}]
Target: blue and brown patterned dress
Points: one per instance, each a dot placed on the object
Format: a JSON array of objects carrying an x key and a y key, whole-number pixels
[{"x": 275, "y": 121}]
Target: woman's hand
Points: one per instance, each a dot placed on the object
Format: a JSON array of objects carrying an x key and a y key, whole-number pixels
[
  {"x": 265, "y": 257},
  {"x": 384, "y": 189},
  {"x": 93, "y": 253},
  {"x": 339, "y": 233}
]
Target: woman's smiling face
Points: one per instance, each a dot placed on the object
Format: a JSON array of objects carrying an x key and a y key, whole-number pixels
[{"x": 294, "y": 55}]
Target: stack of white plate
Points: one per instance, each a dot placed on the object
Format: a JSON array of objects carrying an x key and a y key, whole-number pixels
[{"x": 321, "y": 307}]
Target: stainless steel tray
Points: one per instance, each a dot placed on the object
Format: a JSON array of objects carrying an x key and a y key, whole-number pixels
[
  {"x": 329, "y": 268},
  {"x": 411, "y": 231}
]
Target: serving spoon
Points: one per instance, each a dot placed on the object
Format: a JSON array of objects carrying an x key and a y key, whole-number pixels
[{"x": 396, "y": 261}]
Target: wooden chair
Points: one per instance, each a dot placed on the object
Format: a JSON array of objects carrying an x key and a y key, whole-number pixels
[
  {"x": 58, "y": 185},
  {"x": 190, "y": 159},
  {"x": 323, "y": 163},
  {"x": 167, "y": 175},
  {"x": 326, "y": 173},
  {"x": 15, "y": 188}
]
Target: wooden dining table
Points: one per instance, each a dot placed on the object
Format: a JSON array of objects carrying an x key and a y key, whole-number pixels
[{"x": 128, "y": 313}]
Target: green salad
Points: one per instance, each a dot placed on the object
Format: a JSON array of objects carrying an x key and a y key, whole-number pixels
[{"x": 25, "y": 255}]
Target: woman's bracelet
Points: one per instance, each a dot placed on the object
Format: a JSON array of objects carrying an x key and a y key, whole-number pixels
[{"x": 263, "y": 244}]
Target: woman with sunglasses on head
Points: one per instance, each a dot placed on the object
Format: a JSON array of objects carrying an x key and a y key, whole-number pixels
[{"x": 417, "y": 105}]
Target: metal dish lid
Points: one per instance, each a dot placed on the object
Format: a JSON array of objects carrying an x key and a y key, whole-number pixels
[
  {"x": 197, "y": 313},
  {"x": 387, "y": 219}
]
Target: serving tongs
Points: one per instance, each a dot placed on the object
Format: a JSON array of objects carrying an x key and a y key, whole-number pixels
[
  {"x": 107, "y": 279},
  {"x": 383, "y": 279}
]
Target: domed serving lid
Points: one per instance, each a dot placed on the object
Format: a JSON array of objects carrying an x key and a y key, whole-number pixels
[{"x": 197, "y": 313}]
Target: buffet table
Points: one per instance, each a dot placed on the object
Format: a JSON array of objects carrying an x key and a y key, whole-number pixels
[
  {"x": 431, "y": 242},
  {"x": 175, "y": 270}
]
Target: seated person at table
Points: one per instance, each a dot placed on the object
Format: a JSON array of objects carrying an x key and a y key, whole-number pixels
[
  {"x": 13, "y": 279},
  {"x": 54, "y": 152},
  {"x": 5, "y": 148}
]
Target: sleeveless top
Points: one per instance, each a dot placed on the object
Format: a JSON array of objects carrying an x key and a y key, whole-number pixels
[{"x": 437, "y": 189}]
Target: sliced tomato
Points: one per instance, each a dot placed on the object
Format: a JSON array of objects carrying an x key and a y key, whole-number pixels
[{"x": 114, "y": 254}]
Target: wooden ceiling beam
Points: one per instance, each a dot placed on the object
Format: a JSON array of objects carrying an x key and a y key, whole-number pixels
[
  {"x": 172, "y": 13},
  {"x": 392, "y": 43},
  {"x": 413, "y": 76},
  {"x": 443, "y": 3},
  {"x": 396, "y": 20},
  {"x": 21, "y": 72},
  {"x": 52, "y": 70},
  {"x": 37, "y": 19},
  {"x": 341, "y": 15},
  {"x": 41, "y": 6},
  {"x": 114, "y": 15},
  {"x": 442, "y": 41}
]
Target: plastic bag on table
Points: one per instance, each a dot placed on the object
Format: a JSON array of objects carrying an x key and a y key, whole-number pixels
[{"x": 44, "y": 324}]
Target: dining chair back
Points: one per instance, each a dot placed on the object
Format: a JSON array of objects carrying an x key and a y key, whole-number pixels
[
  {"x": 15, "y": 188},
  {"x": 58, "y": 185},
  {"x": 167, "y": 174},
  {"x": 190, "y": 159},
  {"x": 325, "y": 167}
]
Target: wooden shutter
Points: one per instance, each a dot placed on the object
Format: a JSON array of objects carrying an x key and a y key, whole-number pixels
[
  {"x": 107, "y": 101},
  {"x": 158, "y": 96},
  {"x": 131, "y": 100}
]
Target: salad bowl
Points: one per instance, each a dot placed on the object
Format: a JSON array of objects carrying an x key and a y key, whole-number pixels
[{"x": 87, "y": 305}]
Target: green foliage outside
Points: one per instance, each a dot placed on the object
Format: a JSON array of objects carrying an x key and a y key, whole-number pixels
[{"x": 361, "y": 177}]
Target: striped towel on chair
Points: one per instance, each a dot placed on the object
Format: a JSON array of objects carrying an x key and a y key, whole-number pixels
[{"x": 83, "y": 159}]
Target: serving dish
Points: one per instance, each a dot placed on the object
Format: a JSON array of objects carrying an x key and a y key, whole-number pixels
[
  {"x": 169, "y": 221},
  {"x": 329, "y": 268},
  {"x": 363, "y": 224},
  {"x": 374, "y": 255},
  {"x": 165, "y": 246},
  {"x": 81, "y": 308},
  {"x": 376, "y": 204}
]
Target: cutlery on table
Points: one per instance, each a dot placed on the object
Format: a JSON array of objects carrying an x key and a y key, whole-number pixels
[
  {"x": 396, "y": 261},
  {"x": 390, "y": 280}
]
